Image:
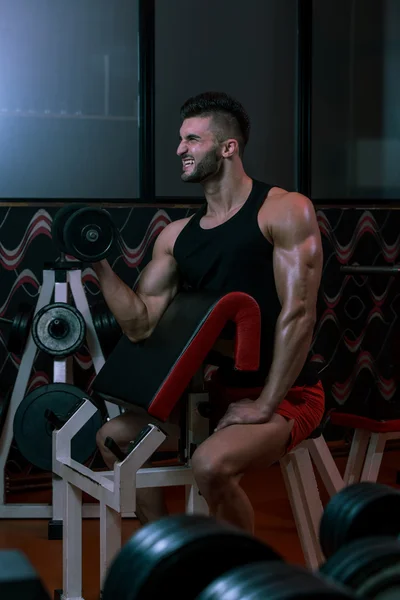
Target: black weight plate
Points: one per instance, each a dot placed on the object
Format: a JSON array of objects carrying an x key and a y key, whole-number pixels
[
  {"x": 58, "y": 225},
  {"x": 385, "y": 585},
  {"x": 18, "y": 578},
  {"x": 180, "y": 555},
  {"x": 59, "y": 329},
  {"x": 272, "y": 581},
  {"x": 360, "y": 510},
  {"x": 340, "y": 512},
  {"x": 20, "y": 327},
  {"x": 4, "y": 406},
  {"x": 112, "y": 330},
  {"x": 352, "y": 515},
  {"x": 90, "y": 234},
  {"x": 353, "y": 564},
  {"x": 33, "y": 432},
  {"x": 107, "y": 328}
]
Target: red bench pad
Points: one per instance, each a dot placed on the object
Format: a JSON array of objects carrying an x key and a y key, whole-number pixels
[{"x": 154, "y": 374}]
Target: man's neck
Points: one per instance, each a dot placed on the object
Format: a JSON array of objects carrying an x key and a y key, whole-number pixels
[{"x": 227, "y": 194}]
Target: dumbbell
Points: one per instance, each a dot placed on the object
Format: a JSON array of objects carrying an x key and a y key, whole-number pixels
[
  {"x": 182, "y": 555},
  {"x": 369, "y": 566},
  {"x": 18, "y": 579},
  {"x": 360, "y": 510},
  {"x": 358, "y": 536},
  {"x": 19, "y": 328},
  {"x": 179, "y": 555},
  {"x": 59, "y": 329},
  {"x": 85, "y": 232},
  {"x": 273, "y": 581},
  {"x": 107, "y": 328}
]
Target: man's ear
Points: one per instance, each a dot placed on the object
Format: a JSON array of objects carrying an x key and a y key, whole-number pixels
[{"x": 229, "y": 148}]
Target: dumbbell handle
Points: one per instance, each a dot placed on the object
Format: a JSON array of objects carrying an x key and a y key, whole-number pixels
[
  {"x": 370, "y": 269},
  {"x": 115, "y": 449},
  {"x": 54, "y": 419}
]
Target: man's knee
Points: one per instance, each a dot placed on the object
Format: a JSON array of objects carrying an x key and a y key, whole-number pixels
[
  {"x": 102, "y": 434},
  {"x": 124, "y": 429},
  {"x": 210, "y": 468},
  {"x": 118, "y": 431}
]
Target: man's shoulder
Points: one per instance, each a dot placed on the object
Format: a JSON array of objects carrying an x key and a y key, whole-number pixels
[
  {"x": 279, "y": 201},
  {"x": 278, "y": 194},
  {"x": 282, "y": 206},
  {"x": 175, "y": 227}
]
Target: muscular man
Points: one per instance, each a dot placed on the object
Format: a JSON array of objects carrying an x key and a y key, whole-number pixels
[{"x": 249, "y": 237}]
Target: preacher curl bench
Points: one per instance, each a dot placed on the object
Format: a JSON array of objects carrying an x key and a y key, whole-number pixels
[{"x": 155, "y": 374}]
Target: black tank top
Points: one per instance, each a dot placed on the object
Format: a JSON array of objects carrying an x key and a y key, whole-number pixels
[{"x": 236, "y": 257}]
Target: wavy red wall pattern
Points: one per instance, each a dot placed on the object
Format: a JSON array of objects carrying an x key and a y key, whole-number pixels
[{"x": 356, "y": 337}]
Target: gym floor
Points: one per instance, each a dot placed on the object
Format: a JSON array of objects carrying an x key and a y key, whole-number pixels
[{"x": 274, "y": 525}]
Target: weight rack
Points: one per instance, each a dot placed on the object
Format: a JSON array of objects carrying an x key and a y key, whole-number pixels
[{"x": 60, "y": 280}]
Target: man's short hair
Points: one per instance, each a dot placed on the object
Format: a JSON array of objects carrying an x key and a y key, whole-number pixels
[{"x": 228, "y": 114}]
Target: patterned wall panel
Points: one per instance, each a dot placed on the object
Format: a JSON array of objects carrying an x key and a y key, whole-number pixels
[
  {"x": 356, "y": 340},
  {"x": 357, "y": 336}
]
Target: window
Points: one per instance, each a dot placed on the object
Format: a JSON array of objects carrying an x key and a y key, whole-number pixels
[
  {"x": 68, "y": 99},
  {"x": 355, "y": 104},
  {"x": 247, "y": 49}
]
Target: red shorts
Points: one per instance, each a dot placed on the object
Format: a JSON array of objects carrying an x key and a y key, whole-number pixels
[{"x": 304, "y": 404}]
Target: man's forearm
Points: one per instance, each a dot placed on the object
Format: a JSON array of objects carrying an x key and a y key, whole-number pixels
[
  {"x": 293, "y": 339},
  {"x": 127, "y": 307}
]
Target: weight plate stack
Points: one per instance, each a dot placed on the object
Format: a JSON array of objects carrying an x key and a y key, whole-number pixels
[
  {"x": 273, "y": 581},
  {"x": 33, "y": 430},
  {"x": 355, "y": 563},
  {"x": 360, "y": 510},
  {"x": 59, "y": 329},
  {"x": 180, "y": 555},
  {"x": 385, "y": 585}
]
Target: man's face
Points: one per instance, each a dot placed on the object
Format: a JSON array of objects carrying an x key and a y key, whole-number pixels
[{"x": 199, "y": 150}]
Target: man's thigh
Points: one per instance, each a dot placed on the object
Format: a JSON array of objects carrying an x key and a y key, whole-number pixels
[{"x": 239, "y": 448}]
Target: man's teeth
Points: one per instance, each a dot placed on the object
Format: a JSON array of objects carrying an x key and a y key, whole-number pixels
[{"x": 188, "y": 162}]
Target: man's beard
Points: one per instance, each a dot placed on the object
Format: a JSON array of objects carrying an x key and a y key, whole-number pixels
[{"x": 206, "y": 168}]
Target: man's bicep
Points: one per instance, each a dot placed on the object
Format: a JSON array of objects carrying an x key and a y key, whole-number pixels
[
  {"x": 298, "y": 259},
  {"x": 159, "y": 280}
]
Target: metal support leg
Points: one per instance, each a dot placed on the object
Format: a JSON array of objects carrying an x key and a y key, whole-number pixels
[
  {"x": 195, "y": 503},
  {"x": 198, "y": 431},
  {"x": 72, "y": 543},
  {"x": 303, "y": 493},
  {"x": 373, "y": 458},
  {"x": 110, "y": 538},
  {"x": 62, "y": 373},
  {"x": 325, "y": 465},
  {"x": 356, "y": 456}
]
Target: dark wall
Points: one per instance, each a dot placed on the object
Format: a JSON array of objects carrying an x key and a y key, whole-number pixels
[{"x": 222, "y": 46}]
